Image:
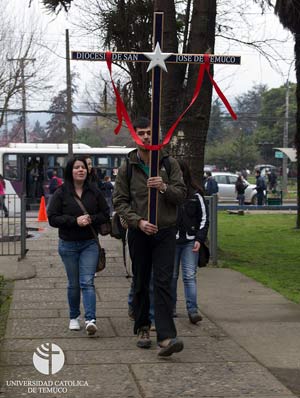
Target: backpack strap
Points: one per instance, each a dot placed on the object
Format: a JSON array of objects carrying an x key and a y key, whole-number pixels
[{"x": 165, "y": 162}]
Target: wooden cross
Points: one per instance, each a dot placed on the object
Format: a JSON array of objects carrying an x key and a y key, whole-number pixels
[{"x": 157, "y": 61}]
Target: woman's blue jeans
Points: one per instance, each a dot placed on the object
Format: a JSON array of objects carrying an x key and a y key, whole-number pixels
[
  {"x": 189, "y": 260},
  {"x": 80, "y": 260}
]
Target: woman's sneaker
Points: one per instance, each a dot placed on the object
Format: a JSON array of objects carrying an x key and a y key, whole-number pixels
[
  {"x": 74, "y": 324},
  {"x": 195, "y": 317},
  {"x": 90, "y": 327}
]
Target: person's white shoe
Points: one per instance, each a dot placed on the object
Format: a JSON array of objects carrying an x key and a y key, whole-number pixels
[
  {"x": 90, "y": 327},
  {"x": 74, "y": 324}
]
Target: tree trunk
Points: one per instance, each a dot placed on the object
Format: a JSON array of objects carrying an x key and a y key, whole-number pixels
[
  {"x": 195, "y": 124},
  {"x": 190, "y": 143},
  {"x": 297, "y": 136},
  {"x": 173, "y": 80}
]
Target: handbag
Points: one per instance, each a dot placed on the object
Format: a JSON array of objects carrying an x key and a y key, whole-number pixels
[
  {"x": 204, "y": 255},
  {"x": 102, "y": 255}
]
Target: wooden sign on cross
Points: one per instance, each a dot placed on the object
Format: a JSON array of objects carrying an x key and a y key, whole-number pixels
[{"x": 158, "y": 61}]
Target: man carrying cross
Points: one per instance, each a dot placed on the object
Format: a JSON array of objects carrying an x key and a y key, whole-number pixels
[
  {"x": 151, "y": 246},
  {"x": 147, "y": 200}
]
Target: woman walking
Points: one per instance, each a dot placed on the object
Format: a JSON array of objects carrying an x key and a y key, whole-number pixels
[
  {"x": 2, "y": 196},
  {"x": 240, "y": 187},
  {"x": 77, "y": 246},
  {"x": 192, "y": 227}
]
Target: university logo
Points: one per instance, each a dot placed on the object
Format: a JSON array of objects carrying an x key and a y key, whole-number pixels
[{"x": 48, "y": 358}]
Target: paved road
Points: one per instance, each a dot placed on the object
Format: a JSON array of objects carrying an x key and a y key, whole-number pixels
[{"x": 246, "y": 345}]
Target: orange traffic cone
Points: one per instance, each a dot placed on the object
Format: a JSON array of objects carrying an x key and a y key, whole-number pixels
[{"x": 42, "y": 212}]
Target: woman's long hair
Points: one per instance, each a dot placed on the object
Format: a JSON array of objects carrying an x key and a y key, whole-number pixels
[
  {"x": 188, "y": 179},
  {"x": 68, "y": 176}
]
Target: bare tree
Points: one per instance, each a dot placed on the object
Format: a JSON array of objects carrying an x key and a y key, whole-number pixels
[{"x": 24, "y": 61}]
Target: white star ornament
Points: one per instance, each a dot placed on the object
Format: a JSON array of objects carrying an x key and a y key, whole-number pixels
[{"x": 157, "y": 58}]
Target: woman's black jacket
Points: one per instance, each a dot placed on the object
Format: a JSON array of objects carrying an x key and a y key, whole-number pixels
[{"x": 64, "y": 210}]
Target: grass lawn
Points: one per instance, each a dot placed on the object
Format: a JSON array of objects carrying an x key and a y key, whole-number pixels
[{"x": 263, "y": 246}]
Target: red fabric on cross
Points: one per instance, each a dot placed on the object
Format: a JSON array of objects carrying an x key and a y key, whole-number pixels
[{"x": 122, "y": 112}]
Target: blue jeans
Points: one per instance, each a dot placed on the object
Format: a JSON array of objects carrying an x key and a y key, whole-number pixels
[
  {"x": 189, "y": 261},
  {"x": 80, "y": 260},
  {"x": 151, "y": 297}
]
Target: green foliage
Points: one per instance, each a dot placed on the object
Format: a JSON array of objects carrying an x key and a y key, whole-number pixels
[
  {"x": 258, "y": 129},
  {"x": 216, "y": 130},
  {"x": 100, "y": 132},
  {"x": 56, "y": 127},
  {"x": 88, "y": 136},
  {"x": 234, "y": 153},
  {"x": 264, "y": 247},
  {"x": 272, "y": 116}
]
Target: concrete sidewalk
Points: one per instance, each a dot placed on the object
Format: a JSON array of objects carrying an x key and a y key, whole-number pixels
[{"x": 248, "y": 344}]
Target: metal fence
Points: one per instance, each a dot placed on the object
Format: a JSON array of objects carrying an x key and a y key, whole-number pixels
[
  {"x": 12, "y": 226},
  {"x": 213, "y": 227}
]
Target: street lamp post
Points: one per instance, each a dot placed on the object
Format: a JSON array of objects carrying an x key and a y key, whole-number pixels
[
  {"x": 285, "y": 142},
  {"x": 285, "y": 138}
]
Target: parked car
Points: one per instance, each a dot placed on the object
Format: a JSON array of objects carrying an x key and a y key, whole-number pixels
[
  {"x": 226, "y": 182},
  {"x": 263, "y": 167}
]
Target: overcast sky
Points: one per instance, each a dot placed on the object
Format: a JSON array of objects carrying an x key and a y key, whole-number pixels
[{"x": 233, "y": 80}]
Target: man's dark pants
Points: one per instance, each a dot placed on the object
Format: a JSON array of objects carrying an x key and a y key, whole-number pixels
[
  {"x": 260, "y": 198},
  {"x": 158, "y": 251}
]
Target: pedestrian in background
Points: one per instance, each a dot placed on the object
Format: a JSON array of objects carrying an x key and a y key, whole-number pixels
[
  {"x": 272, "y": 179},
  {"x": 260, "y": 188},
  {"x": 92, "y": 175},
  {"x": 107, "y": 189},
  {"x": 54, "y": 183},
  {"x": 151, "y": 246},
  {"x": 240, "y": 187},
  {"x": 77, "y": 246},
  {"x": 192, "y": 227},
  {"x": 2, "y": 196},
  {"x": 210, "y": 185}
]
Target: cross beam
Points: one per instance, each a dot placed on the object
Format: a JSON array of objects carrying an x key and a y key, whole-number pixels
[
  {"x": 141, "y": 57},
  {"x": 157, "y": 61}
]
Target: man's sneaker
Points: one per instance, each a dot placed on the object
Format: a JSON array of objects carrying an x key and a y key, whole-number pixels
[
  {"x": 74, "y": 324},
  {"x": 195, "y": 317},
  {"x": 144, "y": 338},
  {"x": 90, "y": 327},
  {"x": 173, "y": 346}
]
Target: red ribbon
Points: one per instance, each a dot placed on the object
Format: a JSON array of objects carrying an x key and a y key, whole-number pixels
[{"x": 122, "y": 112}]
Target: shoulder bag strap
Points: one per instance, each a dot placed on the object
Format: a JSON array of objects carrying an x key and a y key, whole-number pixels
[{"x": 80, "y": 204}]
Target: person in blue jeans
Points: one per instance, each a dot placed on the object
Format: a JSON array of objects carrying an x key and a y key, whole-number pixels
[
  {"x": 192, "y": 227},
  {"x": 77, "y": 246}
]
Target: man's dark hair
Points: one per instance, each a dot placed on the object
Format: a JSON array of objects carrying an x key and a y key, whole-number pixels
[
  {"x": 208, "y": 173},
  {"x": 257, "y": 171},
  {"x": 141, "y": 123}
]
